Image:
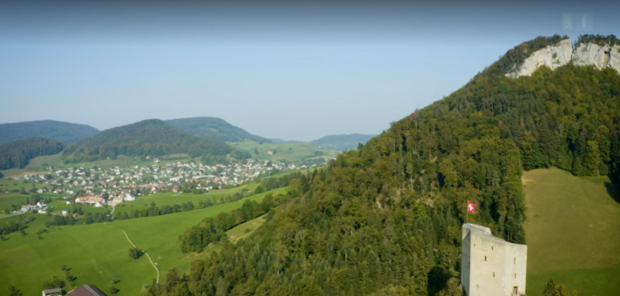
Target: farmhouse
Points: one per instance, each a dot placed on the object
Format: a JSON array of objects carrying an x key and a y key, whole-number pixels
[
  {"x": 129, "y": 197},
  {"x": 86, "y": 290},
  {"x": 52, "y": 292},
  {"x": 491, "y": 265},
  {"x": 116, "y": 200}
]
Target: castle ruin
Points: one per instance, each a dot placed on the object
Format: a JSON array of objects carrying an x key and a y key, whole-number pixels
[{"x": 491, "y": 265}]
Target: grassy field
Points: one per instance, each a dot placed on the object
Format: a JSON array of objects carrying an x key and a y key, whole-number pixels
[
  {"x": 98, "y": 253},
  {"x": 170, "y": 198},
  {"x": 573, "y": 232},
  {"x": 10, "y": 184},
  {"x": 8, "y": 199},
  {"x": 292, "y": 152}
]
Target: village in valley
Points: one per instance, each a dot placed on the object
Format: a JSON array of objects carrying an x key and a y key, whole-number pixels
[{"x": 109, "y": 187}]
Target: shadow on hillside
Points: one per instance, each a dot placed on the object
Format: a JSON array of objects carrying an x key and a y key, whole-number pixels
[
  {"x": 437, "y": 279},
  {"x": 613, "y": 190}
]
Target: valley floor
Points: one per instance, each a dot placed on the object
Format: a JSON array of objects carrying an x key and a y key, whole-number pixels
[{"x": 98, "y": 254}]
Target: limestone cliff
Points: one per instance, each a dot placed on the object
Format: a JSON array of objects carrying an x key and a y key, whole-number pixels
[
  {"x": 551, "y": 56},
  {"x": 561, "y": 53},
  {"x": 597, "y": 56}
]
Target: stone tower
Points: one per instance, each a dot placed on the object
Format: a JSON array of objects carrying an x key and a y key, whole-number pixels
[{"x": 491, "y": 265}]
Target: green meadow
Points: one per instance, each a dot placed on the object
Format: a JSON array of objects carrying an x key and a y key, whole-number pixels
[
  {"x": 170, "y": 198},
  {"x": 99, "y": 253},
  {"x": 244, "y": 230},
  {"x": 572, "y": 232}
]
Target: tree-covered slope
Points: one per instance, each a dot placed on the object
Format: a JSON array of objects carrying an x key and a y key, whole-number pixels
[
  {"x": 342, "y": 142},
  {"x": 149, "y": 137},
  {"x": 215, "y": 128},
  {"x": 61, "y": 131},
  {"x": 18, "y": 153},
  {"x": 385, "y": 219}
]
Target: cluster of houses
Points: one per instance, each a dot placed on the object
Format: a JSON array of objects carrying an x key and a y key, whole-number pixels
[
  {"x": 119, "y": 184},
  {"x": 152, "y": 178},
  {"x": 40, "y": 207}
]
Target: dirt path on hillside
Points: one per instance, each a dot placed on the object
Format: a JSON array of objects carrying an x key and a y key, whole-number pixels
[{"x": 145, "y": 253}]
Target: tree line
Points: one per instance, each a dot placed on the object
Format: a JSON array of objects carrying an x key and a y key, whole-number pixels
[
  {"x": 212, "y": 230},
  {"x": 17, "y": 154}
]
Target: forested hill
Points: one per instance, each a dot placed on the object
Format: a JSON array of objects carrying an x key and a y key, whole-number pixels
[
  {"x": 386, "y": 219},
  {"x": 57, "y": 130},
  {"x": 215, "y": 128},
  {"x": 17, "y": 154},
  {"x": 149, "y": 137},
  {"x": 342, "y": 142}
]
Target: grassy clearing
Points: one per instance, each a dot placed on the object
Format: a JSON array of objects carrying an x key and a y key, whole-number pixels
[
  {"x": 43, "y": 162},
  {"x": 572, "y": 232},
  {"x": 244, "y": 230},
  {"x": 99, "y": 253},
  {"x": 292, "y": 152}
]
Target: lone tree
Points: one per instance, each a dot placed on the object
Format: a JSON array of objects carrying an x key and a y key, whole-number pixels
[
  {"x": 14, "y": 291},
  {"x": 135, "y": 253}
]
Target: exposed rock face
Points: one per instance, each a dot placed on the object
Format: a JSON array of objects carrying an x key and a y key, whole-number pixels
[
  {"x": 562, "y": 53},
  {"x": 550, "y": 56},
  {"x": 597, "y": 56}
]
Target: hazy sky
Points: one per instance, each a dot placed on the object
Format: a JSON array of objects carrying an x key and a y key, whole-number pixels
[{"x": 289, "y": 70}]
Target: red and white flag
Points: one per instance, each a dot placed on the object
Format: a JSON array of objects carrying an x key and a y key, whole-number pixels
[{"x": 471, "y": 207}]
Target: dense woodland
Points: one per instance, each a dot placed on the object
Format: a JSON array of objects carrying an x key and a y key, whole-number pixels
[
  {"x": 385, "y": 219},
  {"x": 61, "y": 131},
  {"x": 149, "y": 137},
  {"x": 215, "y": 128},
  {"x": 17, "y": 154},
  {"x": 599, "y": 39}
]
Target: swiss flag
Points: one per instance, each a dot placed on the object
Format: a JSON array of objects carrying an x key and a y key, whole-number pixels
[{"x": 471, "y": 207}]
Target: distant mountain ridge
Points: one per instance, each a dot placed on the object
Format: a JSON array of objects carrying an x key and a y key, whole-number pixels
[
  {"x": 342, "y": 142},
  {"x": 148, "y": 137},
  {"x": 215, "y": 128},
  {"x": 58, "y": 130},
  {"x": 17, "y": 154}
]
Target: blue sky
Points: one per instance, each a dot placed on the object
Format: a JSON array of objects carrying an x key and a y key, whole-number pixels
[{"x": 293, "y": 71}]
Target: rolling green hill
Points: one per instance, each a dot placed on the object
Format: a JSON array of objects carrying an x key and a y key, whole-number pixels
[
  {"x": 342, "y": 142},
  {"x": 301, "y": 152},
  {"x": 386, "y": 219},
  {"x": 17, "y": 154},
  {"x": 215, "y": 128},
  {"x": 149, "y": 137},
  {"x": 572, "y": 232},
  {"x": 98, "y": 253},
  {"x": 61, "y": 131}
]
